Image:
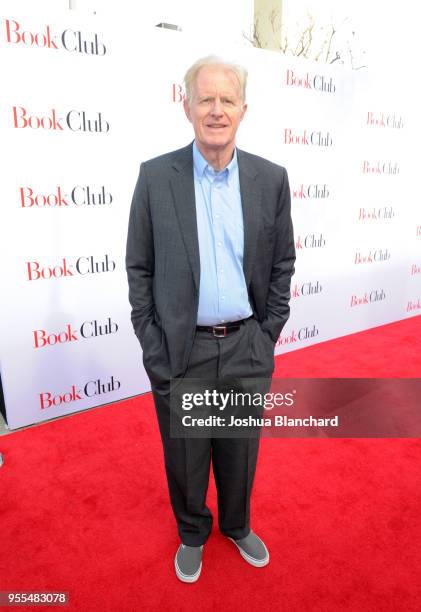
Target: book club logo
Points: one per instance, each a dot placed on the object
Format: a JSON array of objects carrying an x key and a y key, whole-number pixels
[
  {"x": 60, "y": 197},
  {"x": 67, "y": 267},
  {"x": 309, "y": 81},
  {"x": 384, "y": 120},
  {"x": 368, "y": 297},
  {"x": 304, "y": 333},
  {"x": 310, "y": 241},
  {"x": 92, "y": 388},
  {"x": 72, "y": 41},
  {"x": 371, "y": 256},
  {"x": 177, "y": 93},
  {"x": 308, "y": 138},
  {"x": 313, "y": 191},
  {"x": 55, "y": 121},
  {"x": 413, "y": 305},
  {"x": 381, "y": 213},
  {"x": 88, "y": 330},
  {"x": 380, "y": 167},
  {"x": 306, "y": 289}
]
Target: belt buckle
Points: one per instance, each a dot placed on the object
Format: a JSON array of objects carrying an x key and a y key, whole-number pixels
[{"x": 222, "y": 328}]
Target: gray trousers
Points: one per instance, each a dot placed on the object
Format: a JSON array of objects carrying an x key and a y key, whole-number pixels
[{"x": 248, "y": 353}]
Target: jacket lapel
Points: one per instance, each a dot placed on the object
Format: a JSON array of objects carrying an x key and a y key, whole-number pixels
[
  {"x": 182, "y": 185},
  {"x": 251, "y": 202}
]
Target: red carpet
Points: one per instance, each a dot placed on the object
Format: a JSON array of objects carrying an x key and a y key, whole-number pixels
[
  {"x": 389, "y": 351},
  {"x": 84, "y": 508}
]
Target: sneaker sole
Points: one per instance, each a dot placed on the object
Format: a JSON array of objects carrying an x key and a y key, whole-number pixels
[
  {"x": 250, "y": 559},
  {"x": 186, "y": 577}
]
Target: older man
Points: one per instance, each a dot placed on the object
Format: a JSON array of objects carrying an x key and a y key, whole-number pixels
[{"x": 210, "y": 255}]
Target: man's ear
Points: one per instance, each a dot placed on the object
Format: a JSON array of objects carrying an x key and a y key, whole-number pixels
[
  {"x": 243, "y": 111},
  {"x": 187, "y": 109}
]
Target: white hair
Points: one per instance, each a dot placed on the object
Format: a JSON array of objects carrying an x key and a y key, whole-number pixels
[{"x": 213, "y": 60}]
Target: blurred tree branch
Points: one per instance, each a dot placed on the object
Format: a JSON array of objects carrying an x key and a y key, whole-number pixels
[{"x": 324, "y": 44}]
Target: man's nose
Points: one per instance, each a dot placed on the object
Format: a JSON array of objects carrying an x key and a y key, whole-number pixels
[{"x": 217, "y": 108}]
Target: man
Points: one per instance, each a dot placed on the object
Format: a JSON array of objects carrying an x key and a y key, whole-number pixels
[{"x": 210, "y": 255}]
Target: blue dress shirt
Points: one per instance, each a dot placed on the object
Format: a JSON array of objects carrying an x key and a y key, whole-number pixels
[{"x": 223, "y": 293}]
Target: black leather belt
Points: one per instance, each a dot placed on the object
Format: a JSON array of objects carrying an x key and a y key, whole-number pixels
[{"x": 222, "y": 330}]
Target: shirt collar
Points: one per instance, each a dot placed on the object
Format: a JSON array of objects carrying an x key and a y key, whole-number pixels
[{"x": 201, "y": 166}]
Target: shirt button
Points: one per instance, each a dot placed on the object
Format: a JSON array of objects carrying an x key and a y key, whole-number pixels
[
  {"x": 219, "y": 243},
  {"x": 222, "y": 297}
]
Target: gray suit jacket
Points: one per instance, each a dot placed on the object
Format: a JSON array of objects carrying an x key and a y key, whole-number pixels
[{"x": 163, "y": 262}]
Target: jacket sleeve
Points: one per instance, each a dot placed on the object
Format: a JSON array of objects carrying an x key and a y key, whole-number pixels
[
  {"x": 279, "y": 293},
  {"x": 140, "y": 258},
  {"x": 140, "y": 265}
]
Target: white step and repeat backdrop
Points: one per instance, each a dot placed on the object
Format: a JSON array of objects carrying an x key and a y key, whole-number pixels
[{"x": 85, "y": 100}]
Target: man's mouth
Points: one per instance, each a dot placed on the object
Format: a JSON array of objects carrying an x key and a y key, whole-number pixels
[{"x": 216, "y": 126}]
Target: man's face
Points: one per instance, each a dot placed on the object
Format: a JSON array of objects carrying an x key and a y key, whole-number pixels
[{"x": 216, "y": 108}]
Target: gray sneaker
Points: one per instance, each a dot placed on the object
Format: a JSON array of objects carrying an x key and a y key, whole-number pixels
[
  {"x": 188, "y": 563},
  {"x": 253, "y": 550}
]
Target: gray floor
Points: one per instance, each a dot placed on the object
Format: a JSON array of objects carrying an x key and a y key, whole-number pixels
[
  {"x": 3, "y": 428},
  {"x": 3, "y": 431}
]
